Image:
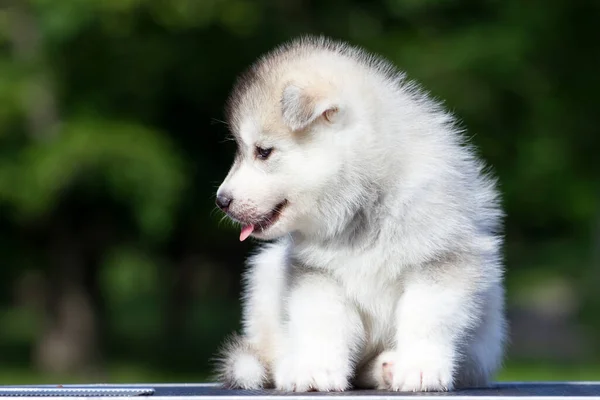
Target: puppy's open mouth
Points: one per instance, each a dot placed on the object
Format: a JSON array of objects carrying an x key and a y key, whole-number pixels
[{"x": 264, "y": 223}]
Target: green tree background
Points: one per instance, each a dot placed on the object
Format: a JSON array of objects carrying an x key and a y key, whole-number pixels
[{"x": 115, "y": 266}]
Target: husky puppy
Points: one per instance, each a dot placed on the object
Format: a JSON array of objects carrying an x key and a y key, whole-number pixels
[{"x": 382, "y": 266}]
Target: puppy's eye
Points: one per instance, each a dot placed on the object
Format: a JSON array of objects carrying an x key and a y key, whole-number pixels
[{"x": 263, "y": 153}]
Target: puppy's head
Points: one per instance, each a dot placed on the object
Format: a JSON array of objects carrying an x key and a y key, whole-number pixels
[
  {"x": 287, "y": 155},
  {"x": 303, "y": 128}
]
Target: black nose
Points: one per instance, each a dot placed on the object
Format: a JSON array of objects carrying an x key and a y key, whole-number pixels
[{"x": 223, "y": 202}]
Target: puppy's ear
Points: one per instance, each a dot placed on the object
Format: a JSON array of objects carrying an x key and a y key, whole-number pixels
[{"x": 302, "y": 107}]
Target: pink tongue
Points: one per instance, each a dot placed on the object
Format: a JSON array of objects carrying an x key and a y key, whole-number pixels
[{"x": 246, "y": 231}]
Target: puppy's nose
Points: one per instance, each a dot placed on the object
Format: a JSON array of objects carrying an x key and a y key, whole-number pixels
[{"x": 223, "y": 202}]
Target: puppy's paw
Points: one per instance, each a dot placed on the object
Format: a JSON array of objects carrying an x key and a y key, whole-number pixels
[
  {"x": 247, "y": 373},
  {"x": 300, "y": 374},
  {"x": 381, "y": 371},
  {"x": 414, "y": 373},
  {"x": 240, "y": 367}
]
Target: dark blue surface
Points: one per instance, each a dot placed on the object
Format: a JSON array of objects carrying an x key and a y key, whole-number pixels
[{"x": 503, "y": 390}]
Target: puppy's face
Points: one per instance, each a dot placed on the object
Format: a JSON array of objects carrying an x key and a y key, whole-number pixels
[{"x": 288, "y": 155}]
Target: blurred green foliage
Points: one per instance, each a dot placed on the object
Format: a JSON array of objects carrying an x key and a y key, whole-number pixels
[{"x": 112, "y": 145}]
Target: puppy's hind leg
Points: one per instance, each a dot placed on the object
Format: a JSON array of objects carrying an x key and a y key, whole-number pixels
[
  {"x": 246, "y": 362},
  {"x": 239, "y": 365},
  {"x": 377, "y": 373}
]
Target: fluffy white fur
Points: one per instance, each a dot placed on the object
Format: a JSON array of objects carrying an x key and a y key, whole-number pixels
[{"x": 384, "y": 266}]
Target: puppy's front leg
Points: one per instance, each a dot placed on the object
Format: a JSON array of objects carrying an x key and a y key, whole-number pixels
[
  {"x": 433, "y": 320},
  {"x": 323, "y": 335}
]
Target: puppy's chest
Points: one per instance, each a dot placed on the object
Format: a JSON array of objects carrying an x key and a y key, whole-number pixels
[
  {"x": 368, "y": 279},
  {"x": 371, "y": 286}
]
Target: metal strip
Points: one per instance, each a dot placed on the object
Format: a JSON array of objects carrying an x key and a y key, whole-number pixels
[{"x": 74, "y": 392}]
